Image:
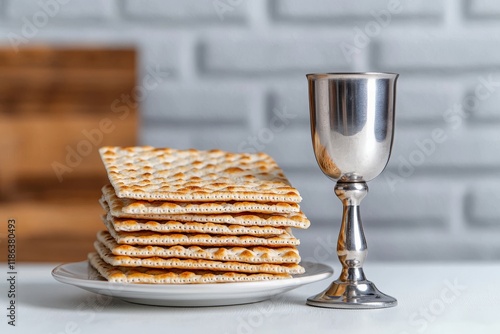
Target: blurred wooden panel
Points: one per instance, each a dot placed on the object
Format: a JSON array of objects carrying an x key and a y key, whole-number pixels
[
  {"x": 68, "y": 58},
  {"x": 36, "y": 143},
  {"x": 57, "y": 107},
  {"x": 66, "y": 217},
  {"x": 41, "y": 86}
]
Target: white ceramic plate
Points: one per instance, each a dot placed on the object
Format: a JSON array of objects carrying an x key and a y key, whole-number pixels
[{"x": 80, "y": 274}]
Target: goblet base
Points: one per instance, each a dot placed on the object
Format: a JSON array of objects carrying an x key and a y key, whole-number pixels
[{"x": 346, "y": 295}]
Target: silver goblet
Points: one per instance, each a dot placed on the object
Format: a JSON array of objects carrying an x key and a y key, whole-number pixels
[{"x": 352, "y": 128}]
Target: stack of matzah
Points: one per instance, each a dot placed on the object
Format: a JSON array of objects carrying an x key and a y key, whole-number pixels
[{"x": 188, "y": 216}]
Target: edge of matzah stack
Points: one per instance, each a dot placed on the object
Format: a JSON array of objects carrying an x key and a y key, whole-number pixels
[
  {"x": 254, "y": 254},
  {"x": 164, "y": 276},
  {"x": 190, "y": 217},
  {"x": 298, "y": 219},
  {"x": 133, "y": 206},
  {"x": 193, "y": 264},
  {"x": 192, "y": 239}
]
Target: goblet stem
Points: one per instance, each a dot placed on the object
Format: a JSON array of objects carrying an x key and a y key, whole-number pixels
[
  {"x": 351, "y": 246},
  {"x": 352, "y": 289}
]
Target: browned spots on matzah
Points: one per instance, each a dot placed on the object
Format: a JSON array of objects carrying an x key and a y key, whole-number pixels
[
  {"x": 186, "y": 275},
  {"x": 233, "y": 170},
  {"x": 246, "y": 254},
  {"x": 220, "y": 253},
  {"x": 178, "y": 167}
]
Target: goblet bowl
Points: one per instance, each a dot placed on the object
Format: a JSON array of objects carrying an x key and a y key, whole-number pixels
[{"x": 352, "y": 123}]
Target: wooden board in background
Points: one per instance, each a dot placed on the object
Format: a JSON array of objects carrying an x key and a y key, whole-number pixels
[{"x": 49, "y": 98}]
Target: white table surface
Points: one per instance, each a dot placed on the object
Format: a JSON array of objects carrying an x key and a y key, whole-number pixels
[{"x": 427, "y": 304}]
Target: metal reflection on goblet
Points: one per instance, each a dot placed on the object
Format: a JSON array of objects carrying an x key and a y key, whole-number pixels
[{"x": 352, "y": 128}]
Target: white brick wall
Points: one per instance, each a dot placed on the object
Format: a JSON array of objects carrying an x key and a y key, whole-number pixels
[
  {"x": 229, "y": 66},
  {"x": 62, "y": 10},
  {"x": 346, "y": 11},
  {"x": 481, "y": 9},
  {"x": 180, "y": 12}
]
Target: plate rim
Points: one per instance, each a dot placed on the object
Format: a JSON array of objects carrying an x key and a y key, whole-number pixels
[{"x": 324, "y": 271}]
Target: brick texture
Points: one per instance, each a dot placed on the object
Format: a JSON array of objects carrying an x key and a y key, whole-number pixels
[
  {"x": 55, "y": 10},
  {"x": 248, "y": 56},
  {"x": 439, "y": 54},
  {"x": 292, "y": 98},
  {"x": 345, "y": 11},
  {"x": 231, "y": 75},
  {"x": 395, "y": 208},
  {"x": 161, "y": 50},
  {"x": 487, "y": 110},
  {"x": 482, "y": 207},
  {"x": 173, "y": 107},
  {"x": 2, "y": 9},
  {"x": 420, "y": 101},
  {"x": 184, "y": 12},
  {"x": 481, "y": 9},
  {"x": 456, "y": 150}
]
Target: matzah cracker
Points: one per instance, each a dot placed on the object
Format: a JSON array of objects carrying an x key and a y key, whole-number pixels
[
  {"x": 134, "y": 206},
  {"x": 298, "y": 220},
  {"x": 132, "y": 225},
  {"x": 172, "y": 276},
  {"x": 196, "y": 264},
  {"x": 191, "y": 175},
  {"x": 237, "y": 254},
  {"x": 187, "y": 239}
]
